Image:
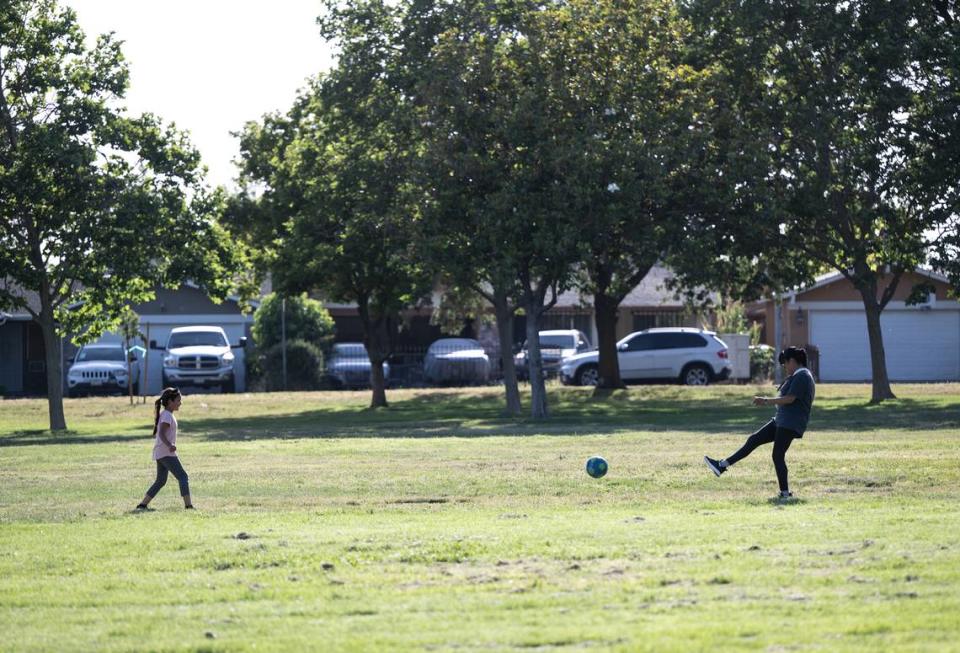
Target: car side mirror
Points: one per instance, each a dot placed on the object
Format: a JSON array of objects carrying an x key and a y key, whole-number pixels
[
  {"x": 242, "y": 344},
  {"x": 70, "y": 361},
  {"x": 622, "y": 347}
]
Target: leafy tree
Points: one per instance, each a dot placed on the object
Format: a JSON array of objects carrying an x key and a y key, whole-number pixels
[
  {"x": 335, "y": 172},
  {"x": 498, "y": 215},
  {"x": 305, "y": 319},
  {"x": 97, "y": 208},
  {"x": 846, "y": 108}
]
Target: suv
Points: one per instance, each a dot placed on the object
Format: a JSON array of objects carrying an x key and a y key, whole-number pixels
[
  {"x": 103, "y": 367},
  {"x": 199, "y": 355},
  {"x": 555, "y": 346},
  {"x": 690, "y": 356}
]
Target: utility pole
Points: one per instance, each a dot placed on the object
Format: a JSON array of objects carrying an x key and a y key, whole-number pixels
[{"x": 283, "y": 338}]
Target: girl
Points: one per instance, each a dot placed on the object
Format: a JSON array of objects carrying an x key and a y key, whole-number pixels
[{"x": 165, "y": 448}]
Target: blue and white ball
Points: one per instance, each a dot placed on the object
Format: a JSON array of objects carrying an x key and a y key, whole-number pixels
[{"x": 596, "y": 466}]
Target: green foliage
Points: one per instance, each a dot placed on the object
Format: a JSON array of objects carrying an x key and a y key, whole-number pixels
[
  {"x": 306, "y": 319},
  {"x": 304, "y": 366},
  {"x": 762, "y": 363}
]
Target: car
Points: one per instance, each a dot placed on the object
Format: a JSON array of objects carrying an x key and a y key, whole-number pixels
[
  {"x": 451, "y": 361},
  {"x": 679, "y": 354},
  {"x": 103, "y": 368},
  {"x": 349, "y": 366},
  {"x": 555, "y": 346},
  {"x": 200, "y": 356}
]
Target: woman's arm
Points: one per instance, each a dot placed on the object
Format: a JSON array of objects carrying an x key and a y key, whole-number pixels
[{"x": 785, "y": 400}]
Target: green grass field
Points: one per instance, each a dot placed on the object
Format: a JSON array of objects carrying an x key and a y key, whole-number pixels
[{"x": 437, "y": 525}]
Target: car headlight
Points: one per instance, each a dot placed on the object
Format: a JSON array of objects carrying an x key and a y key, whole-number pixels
[
  {"x": 227, "y": 359},
  {"x": 169, "y": 360}
]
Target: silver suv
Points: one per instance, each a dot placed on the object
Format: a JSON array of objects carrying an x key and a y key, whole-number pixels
[
  {"x": 199, "y": 355},
  {"x": 690, "y": 356},
  {"x": 103, "y": 367}
]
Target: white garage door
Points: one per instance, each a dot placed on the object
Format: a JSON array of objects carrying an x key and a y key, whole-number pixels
[{"x": 920, "y": 345}]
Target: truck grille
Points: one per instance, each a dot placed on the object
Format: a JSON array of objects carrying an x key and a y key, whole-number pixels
[
  {"x": 198, "y": 363},
  {"x": 95, "y": 375}
]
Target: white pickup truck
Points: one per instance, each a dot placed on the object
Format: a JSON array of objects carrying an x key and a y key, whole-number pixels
[{"x": 199, "y": 355}]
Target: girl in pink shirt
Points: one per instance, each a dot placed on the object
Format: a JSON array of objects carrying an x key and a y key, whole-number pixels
[{"x": 165, "y": 448}]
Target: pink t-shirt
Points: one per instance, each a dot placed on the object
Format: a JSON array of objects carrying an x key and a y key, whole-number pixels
[{"x": 160, "y": 450}]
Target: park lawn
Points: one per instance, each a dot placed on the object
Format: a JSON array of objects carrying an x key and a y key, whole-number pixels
[{"x": 439, "y": 525}]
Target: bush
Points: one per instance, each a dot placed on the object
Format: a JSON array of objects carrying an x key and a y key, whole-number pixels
[
  {"x": 761, "y": 363},
  {"x": 306, "y": 320},
  {"x": 304, "y": 366}
]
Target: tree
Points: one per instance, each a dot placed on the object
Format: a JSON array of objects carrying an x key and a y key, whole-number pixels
[
  {"x": 336, "y": 183},
  {"x": 850, "y": 102},
  {"x": 305, "y": 319},
  {"x": 491, "y": 120},
  {"x": 633, "y": 101},
  {"x": 96, "y": 207}
]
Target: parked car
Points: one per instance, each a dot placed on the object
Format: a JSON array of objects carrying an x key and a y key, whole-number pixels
[
  {"x": 456, "y": 360},
  {"x": 199, "y": 355},
  {"x": 690, "y": 356},
  {"x": 555, "y": 346},
  {"x": 349, "y": 366},
  {"x": 103, "y": 368}
]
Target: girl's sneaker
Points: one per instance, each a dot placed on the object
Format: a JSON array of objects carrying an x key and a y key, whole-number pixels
[{"x": 714, "y": 465}]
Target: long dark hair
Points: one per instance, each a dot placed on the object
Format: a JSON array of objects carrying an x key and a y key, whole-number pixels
[{"x": 168, "y": 395}]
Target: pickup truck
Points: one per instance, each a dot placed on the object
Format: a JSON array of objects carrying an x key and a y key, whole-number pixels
[{"x": 200, "y": 356}]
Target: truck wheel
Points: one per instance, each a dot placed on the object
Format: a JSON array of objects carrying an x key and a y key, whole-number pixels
[{"x": 229, "y": 385}]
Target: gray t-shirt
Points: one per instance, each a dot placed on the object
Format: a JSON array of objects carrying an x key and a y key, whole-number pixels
[{"x": 796, "y": 415}]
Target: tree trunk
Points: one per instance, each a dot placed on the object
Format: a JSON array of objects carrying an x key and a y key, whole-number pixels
[
  {"x": 538, "y": 389},
  {"x": 51, "y": 343},
  {"x": 878, "y": 358},
  {"x": 605, "y": 311},
  {"x": 376, "y": 337},
  {"x": 504, "y": 315}
]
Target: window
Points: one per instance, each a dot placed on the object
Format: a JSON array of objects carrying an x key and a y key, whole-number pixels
[
  {"x": 640, "y": 343},
  {"x": 100, "y": 354},
  {"x": 676, "y": 340},
  {"x": 196, "y": 339}
]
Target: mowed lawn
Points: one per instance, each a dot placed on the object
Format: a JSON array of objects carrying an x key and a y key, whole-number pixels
[{"x": 438, "y": 525}]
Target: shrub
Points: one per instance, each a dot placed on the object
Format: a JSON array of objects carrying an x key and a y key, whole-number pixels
[
  {"x": 306, "y": 319},
  {"x": 304, "y": 366}
]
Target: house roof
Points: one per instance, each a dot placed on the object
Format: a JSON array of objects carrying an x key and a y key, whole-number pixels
[
  {"x": 652, "y": 292},
  {"x": 834, "y": 276}
]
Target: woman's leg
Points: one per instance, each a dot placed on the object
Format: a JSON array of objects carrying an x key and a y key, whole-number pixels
[
  {"x": 763, "y": 436},
  {"x": 781, "y": 443},
  {"x": 173, "y": 464},
  {"x": 157, "y": 484}
]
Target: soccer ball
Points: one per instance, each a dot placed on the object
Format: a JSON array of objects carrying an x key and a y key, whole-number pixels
[{"x": 596, "y": 466}]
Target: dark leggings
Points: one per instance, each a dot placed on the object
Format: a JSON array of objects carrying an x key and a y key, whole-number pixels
[
  {"x": 172, "y": 465},
  {"x": 781, "y": 439}
]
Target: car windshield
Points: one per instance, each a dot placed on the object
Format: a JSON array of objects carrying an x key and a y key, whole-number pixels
[
  {"x": 100, "y": 354},
  {"x": 454, "y": 344},
  {"x": 196, "y": 339},
  {"x": 350, "y": 350},
  {"x": 558, "y": 342}
]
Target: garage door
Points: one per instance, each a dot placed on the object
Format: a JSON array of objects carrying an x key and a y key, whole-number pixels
[{"x": 920, "y": 345}]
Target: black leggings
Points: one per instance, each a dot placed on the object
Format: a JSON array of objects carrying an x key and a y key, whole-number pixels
[
  {"x": 781, "y": 439},
  {"x": 170, "y": 464}
]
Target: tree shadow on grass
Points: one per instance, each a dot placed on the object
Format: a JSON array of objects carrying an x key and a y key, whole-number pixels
[{"x": 446, "y": 414}]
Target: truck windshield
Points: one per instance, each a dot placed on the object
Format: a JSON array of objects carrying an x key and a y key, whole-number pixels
[{"x": 196, "y": 339}]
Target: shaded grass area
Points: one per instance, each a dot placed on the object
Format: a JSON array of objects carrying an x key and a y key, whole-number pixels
[{"x": 439, "y": 525}]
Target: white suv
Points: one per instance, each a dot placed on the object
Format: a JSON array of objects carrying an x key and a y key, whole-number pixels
[
  {"x": 199, "y": 355},
  {"x": 690, "y": 356}
]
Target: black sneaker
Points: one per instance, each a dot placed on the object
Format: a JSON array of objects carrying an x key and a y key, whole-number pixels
[
  {"x": 714, "y": 465},
  {"x": 785, "y": 496},
  {"x": 142, "y": 508}
]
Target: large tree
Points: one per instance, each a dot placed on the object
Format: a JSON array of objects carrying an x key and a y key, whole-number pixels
[
  {"x": 334, "y": 175},
  {"x": 491, "y": 109},
  {"x": 851, "y": 103},
  {"x": 96, "y": 207}
]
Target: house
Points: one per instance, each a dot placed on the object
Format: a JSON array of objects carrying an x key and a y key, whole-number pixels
[
  {"x": 921, "y": 343},
  {"x": 22, "y": 351}
]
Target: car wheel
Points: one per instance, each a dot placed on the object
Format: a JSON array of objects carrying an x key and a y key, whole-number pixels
[
  {"x": 229, "y": 385},
  {"x": 695, "y": 375},
  {"x": 136, "y": 388},
  {"x": 588, "y": 375}
]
